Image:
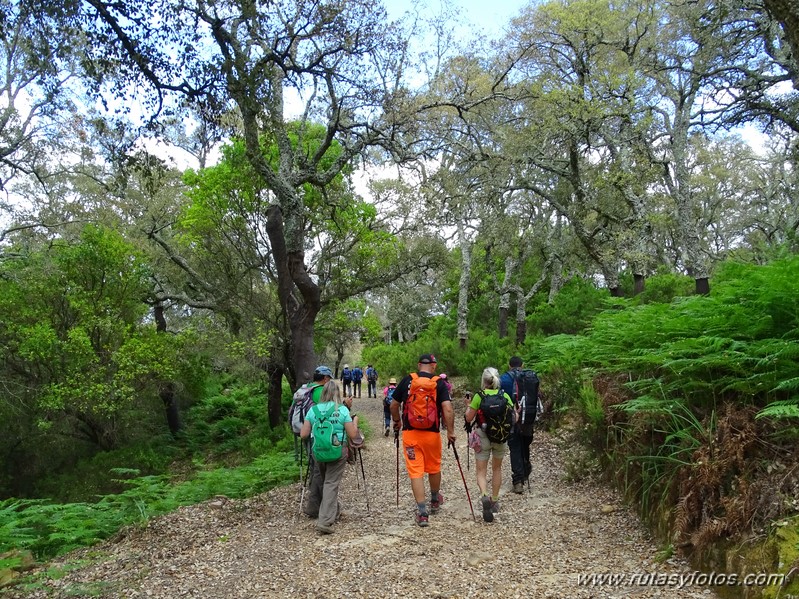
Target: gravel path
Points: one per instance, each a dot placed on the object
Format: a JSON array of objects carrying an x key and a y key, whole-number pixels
[{"x": 540, "y": 544}]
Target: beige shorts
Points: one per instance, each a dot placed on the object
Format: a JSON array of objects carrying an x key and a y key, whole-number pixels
[{"x": 489, "y": 449}]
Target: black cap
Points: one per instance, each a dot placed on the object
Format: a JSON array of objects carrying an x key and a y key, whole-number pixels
[{"x": 427, "y": 359}]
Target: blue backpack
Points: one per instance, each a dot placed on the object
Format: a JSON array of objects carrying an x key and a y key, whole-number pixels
[
  {"x": 346, "y": 375},
  {"x": 389, "y": 396}
]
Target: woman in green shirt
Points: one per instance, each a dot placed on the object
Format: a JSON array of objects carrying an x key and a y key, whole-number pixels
[{"x": 495, "y": 450}]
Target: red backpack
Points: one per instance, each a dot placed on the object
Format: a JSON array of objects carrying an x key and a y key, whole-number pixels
[{"x": 421, "y": 407}]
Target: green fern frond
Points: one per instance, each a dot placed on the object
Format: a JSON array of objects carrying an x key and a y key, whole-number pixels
[{"x": 782, "y": 409}]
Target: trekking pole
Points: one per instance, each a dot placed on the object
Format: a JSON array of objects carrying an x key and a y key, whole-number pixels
[
  {"x": 468, "y": 431},
  {"x": 365, "y": 489},
  {"x": 304, "y": 482},
  {"x": 457, "y": 459},
  {"x": 396, "y": 442},
  {"x": 295, "y": 455}
]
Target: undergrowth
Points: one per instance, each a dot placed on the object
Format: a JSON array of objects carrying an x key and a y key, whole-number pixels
[
  {"x": 692, "y": 404},
  {"x": 226, "y": 448}
]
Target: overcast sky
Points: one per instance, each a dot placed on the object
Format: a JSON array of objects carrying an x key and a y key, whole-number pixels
[{"x": 490, "y": 16}]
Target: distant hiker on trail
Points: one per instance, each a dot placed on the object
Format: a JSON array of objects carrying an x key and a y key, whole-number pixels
[
  {"x": 424, "y": 399},
  {"x": 327, "y": 422},
  {"x": 346, "y": 380},
  {"x": 522, "y": 385},
  {"x": 388, "y": 395},
  {"x": 371, "y": 382},
  {"x": 443, "y": 377},
  {"x": 357, "y": 375},
  {"x": 490, "y": 416}
]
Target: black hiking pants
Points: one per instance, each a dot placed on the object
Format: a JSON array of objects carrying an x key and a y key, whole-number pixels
[
  {"x": 356, "y": 388},
  {"x": 519, "y": 447}
]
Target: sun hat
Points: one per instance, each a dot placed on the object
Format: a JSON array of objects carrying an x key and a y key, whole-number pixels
[{"x": 392, "y": 381}]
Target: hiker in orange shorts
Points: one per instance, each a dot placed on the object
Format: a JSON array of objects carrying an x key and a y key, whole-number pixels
[{"x": 425, "y": 401}]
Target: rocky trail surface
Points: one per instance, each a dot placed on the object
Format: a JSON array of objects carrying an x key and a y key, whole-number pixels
[{"x": 558, "y": 539}]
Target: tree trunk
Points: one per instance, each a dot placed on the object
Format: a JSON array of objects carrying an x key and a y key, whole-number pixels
[
  {"x": 301, "y": 309},
  {"x": 556, "y": 282},
  {"x": 504, "y": 294},
  {"x": 167, "y": 391},
  {"x": 503, "y": 321},
  {"x": 168, "y": 397},
  {"x": 612, "y": 281},
  {"x": 639, "y": 284},
  {"x": 463, "y": 286},
  {"x": 521, "y": 317},
  {"x": 274, "y": 394},
  {"x": 702, "y": 286},
  {"x": 787, "y": 13}
]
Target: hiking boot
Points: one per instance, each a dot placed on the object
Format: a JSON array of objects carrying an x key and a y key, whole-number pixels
[
  {"x": 386, "y": 433},
  {"x": 436, "y": 505},
  {"x": 494, "y": 507},
  {"x": 324, "y": 529},
  {"x": 422, "y": 520},
  {"x": 488, "y": 516},
  {"x": 518, "y": 488}
]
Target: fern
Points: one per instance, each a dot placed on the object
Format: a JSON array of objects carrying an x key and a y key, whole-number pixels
[
  {"x": 788, "y": 408},
  {"x": 51, "y": 529}
]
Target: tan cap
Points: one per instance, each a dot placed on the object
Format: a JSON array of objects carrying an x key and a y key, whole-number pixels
[{"x": 392, "y": 381}]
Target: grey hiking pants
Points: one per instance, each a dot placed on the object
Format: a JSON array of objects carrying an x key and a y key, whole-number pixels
[{"x": 323, "y": 492}]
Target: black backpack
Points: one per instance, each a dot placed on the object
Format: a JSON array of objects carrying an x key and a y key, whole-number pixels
[
  {"x": 496, "y": 416},
  {"x": 525, "y": 387}
]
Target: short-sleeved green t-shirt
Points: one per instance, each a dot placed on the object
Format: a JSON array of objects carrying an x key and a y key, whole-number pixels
[
  {"x": 338, "y": 423},
  {"x": 476, "y": 399}
]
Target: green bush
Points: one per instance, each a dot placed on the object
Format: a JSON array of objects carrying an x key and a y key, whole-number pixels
[
  {"x": 572, "y": 310},
  {"x": 89, "y": 478},
  {"x": 663, "y": 288},
  {"x": 49, "y": 529}
]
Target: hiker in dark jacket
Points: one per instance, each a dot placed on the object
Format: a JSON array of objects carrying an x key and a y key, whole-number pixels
[
  {"x": 346, "y": 380},
  {"x": 521, "y": 436},
  {"x": 371, "y": 381},
  {"x": 357, "y": 375}
]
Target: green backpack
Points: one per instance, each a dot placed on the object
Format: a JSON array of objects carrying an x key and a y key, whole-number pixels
[{"x": 327, "y": 446}]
